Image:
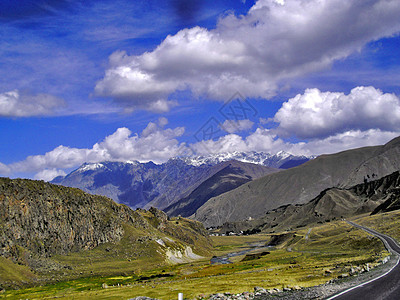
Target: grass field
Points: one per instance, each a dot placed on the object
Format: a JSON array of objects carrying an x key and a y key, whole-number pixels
[
  {"x": 388, "y": 223},
  {"x": 310, "y": 257}
]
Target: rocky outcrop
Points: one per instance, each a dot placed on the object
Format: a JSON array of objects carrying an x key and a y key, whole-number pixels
[
  {"x": 47, "y": 219},
  {"x": 41, "y": 219}
]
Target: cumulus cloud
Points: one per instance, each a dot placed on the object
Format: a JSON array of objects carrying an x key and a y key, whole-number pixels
[
  {"x": 317, "y": 114},
  {"x": 249, "y": 53},
  {"x": 49, "y": 175},
  {"x": 154, "y": 143},
  {"x": 259, "y": 140},
  {"x": 60, "y": 157},
  {"x": 232, "y": 126},
  {"x": 18, "y": 104}
]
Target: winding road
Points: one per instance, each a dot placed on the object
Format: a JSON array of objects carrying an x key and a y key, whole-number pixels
[{"x": 386, "y": 286}]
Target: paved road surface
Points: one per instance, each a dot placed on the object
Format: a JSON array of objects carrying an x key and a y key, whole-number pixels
[{"x": 384, "y": 287}]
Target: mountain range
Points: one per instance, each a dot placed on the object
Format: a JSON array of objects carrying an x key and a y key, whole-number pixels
[
  {"x": 372, "y": 197},
  {"x": 300, "y": 184},
  {"x": 216, "y": 189},
  {"x": 231, "y": 175},
  {"x": 146, "y": 185}
]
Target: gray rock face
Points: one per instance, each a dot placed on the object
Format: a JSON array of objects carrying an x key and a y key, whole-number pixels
[
  {"x": 42, "y": 222},
  {"x": 385, "y": 161},
  {"x": 332, "y": 204}
]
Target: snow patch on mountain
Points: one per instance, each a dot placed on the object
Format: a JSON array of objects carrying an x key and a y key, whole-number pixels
[
  {"x": 89, "y": 167},
  {"x": 260, "y": 158}
]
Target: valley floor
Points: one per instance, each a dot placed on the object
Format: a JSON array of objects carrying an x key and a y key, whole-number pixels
[{"x": 307, "y": 263}]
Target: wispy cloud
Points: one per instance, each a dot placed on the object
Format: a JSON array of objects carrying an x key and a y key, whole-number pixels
[
  {"x": 17, "y": 104},
  {"x": 232, "y": 126},
  {"x": 60, "y": 47}
]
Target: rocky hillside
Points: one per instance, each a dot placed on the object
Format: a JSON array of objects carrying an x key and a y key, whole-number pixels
[
  {"x": 145, "y": 185},
  {"x": 385, "y": 161},
  {"x": 332, "y": 204},
  {"x": 39, "y": 220},
  {"x": 300, "y": 184}
]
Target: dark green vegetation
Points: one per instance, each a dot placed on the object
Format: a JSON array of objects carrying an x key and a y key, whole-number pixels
[
  {"x": 332, "y": 204},
  {"x": 301, "y": 184},
  {"x": 53, "y": 233}
]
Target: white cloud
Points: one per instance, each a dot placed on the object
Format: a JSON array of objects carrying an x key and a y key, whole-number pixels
[
  {"x": 251, "y": 53},
  {"x": 232, "y": 126},
  {"x": 260, "y": 140},
  {"x": 4, "y": 169},
  {"x": 317, "y": 114},
  {"x": 49, "y": 174},
  {"x": 154, "y": 143},
  {"x": 267, "y": 141},
  {"x": 344, "y": 141},
  {"x": 17, "y": 104},
  {"x": 60, "y": 157}
]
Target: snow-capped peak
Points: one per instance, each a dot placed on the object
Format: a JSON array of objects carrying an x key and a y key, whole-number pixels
[{"x": 90, "y": 167}]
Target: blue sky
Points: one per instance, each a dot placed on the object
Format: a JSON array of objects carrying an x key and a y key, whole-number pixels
[{"x": 87, "y": 81}]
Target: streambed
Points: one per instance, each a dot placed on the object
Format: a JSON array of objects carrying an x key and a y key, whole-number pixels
[{"x": 225, "y": 259}]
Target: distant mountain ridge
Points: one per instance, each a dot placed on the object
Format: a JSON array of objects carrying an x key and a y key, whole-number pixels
[
  {"x": 143, "y": 185},
  {"x": 136, "y": 184}
]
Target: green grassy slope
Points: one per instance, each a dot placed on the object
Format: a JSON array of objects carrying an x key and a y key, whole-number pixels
[{"x": 309, "y": 257}]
